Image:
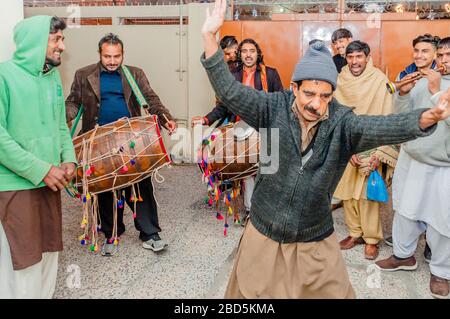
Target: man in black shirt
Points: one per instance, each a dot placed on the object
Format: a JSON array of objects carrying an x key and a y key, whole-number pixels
[{"x": 340, "y": 39}]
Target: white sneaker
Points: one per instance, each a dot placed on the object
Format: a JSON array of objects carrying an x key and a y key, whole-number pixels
[
  {"x": 109, "y": 250},
  {"x": 155, "y": 243}
]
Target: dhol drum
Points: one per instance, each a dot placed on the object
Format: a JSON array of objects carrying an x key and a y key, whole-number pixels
[
  {"x": 231, "y": 152},
  {"x": 119, "y": 154}
]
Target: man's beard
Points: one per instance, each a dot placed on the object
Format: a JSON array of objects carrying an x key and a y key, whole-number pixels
[
  {"x": 115, "y": 69},
  {"x": 250, "y": 66},
  {"x": 52, "y": 63}
]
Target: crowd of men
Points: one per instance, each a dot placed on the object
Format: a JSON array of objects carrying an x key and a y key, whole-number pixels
[{"x": 339, "y": 125}]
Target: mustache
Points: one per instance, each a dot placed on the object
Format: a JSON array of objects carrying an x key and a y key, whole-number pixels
[{"x": 312, "y": 110}]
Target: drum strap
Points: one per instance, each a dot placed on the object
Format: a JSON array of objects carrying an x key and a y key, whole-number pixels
[
  {"x": 77, "y": 119},
  {"x": 137, "y": 92}
]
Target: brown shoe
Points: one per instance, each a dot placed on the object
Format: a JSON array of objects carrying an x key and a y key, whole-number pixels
[
  {"x": 394, "y": 264},
  {"x": 439, "y": 287},
  {"x": 371, "y": 251},
  {"x": 350, "y": 242}
]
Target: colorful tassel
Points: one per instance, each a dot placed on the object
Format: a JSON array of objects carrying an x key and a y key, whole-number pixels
[
  {"x": 124, "y": 169},
  {"x": 219, "y": 216},
  {"x": 132, "y": 144},
  {"x": 134, "y": 215},
  {"x": 225, "y": 230},
  {"x": 133, "y": 162}
]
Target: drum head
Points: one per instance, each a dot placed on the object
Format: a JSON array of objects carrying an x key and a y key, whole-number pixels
[{"x": 242, "y": 130}]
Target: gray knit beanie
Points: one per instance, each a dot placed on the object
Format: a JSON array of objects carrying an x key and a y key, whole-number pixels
[{"x": 316, "y": 64}]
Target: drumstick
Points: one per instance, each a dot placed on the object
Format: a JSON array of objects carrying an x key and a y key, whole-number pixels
[{"x": 167, "y": 120}]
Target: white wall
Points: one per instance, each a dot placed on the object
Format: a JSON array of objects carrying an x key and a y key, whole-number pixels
[{"x": 11, "y": 12}]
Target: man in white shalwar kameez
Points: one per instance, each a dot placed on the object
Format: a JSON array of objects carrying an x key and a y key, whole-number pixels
[{"x": 421, "y": 183}]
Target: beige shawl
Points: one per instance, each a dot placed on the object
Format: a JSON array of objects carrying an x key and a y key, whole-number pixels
[{"x": 368, "y": 95}]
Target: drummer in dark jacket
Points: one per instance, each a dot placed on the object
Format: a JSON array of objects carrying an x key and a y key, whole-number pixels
[
  {"x": 103, "y": 90},
  {"x": 250, "y": 71}
]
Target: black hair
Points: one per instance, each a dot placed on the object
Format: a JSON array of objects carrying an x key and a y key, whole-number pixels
[
  {"x": 357, "y": 46},
  {"x": 260, "y": 59},
  {"x": 298, "y": 83},
  {"x": 57, "y": 24},
  {"x": 110, "y": 38},
  {"x": 427, "y": 38},
  {"x": 340, "y": 34},
  {"x": 445, "y": 42},
  {"x": 228, "y": 41}
]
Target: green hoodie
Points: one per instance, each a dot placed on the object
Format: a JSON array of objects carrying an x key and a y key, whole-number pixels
[{"x": 33, "y": 130}]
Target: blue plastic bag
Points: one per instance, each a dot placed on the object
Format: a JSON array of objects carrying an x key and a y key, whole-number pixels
[{"x": 376, "y": 188}]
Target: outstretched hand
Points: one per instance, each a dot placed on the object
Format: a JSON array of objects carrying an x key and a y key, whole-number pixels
[
  {"x": 442, "y": 110},
  {"x": 437, "y": 113},
  {"x": 214, "y": 20}
]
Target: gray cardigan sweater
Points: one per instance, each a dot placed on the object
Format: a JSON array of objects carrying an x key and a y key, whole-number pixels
[{"x": 293, "y": 204}]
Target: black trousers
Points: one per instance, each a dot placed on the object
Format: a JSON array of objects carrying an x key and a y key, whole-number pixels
[{"x": 146, "y": 221}]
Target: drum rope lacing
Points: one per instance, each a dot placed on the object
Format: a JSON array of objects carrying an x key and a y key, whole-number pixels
[{"x": 91, "y": 223}]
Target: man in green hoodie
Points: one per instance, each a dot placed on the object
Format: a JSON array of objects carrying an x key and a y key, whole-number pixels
[{"x": 37, "y": 160}]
